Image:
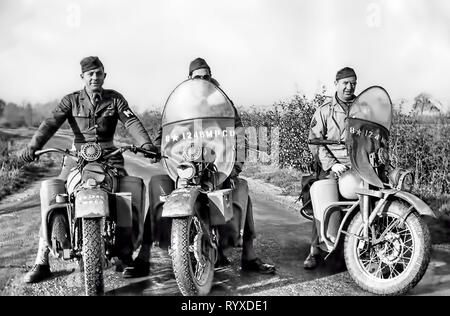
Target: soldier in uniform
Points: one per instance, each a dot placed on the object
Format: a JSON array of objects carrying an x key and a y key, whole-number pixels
[
  {"x": 92, "y": 113},
  {"x": 249, "y": 261},
  {"x": 329, "y": 122}
]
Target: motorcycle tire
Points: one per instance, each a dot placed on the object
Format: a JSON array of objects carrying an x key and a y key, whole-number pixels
[
  {"x": 93, "y": 256},
  {"x": 184, "y": 261},
  {"x": 398, "y": 263},
  {"x": 60, "y": 234}
]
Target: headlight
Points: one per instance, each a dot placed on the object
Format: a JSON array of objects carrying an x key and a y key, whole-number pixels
[
  {"x": 90, "y": 151},
  {"x": 192, "y": 152},
  {"x": 186, "y": 170},
  {"x": 401, "y": 179},
  {"x": 383, "y": 156},
  {"x": 406, "y": 181}
]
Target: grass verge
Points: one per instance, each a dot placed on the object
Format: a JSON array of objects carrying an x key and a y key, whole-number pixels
[
  {"x": 289, "y": 180},
  {"x": 14, "y": 174}
]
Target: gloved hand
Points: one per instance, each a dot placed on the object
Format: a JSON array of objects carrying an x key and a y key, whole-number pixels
[
  {"x": 338, "y": 168},
  {"x": 27, "y": 154},
  {"x": 152, "y": 148},
  {"x": 234, "y": 173}
]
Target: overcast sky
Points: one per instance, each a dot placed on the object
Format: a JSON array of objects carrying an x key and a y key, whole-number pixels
[{"x": 261, "y": 51}]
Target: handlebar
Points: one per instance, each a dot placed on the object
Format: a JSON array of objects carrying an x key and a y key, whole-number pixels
[
  {"x": 58, "y": 150},
  {"x": 318, "y": 141},
  {"x": 132, "y": 148}
]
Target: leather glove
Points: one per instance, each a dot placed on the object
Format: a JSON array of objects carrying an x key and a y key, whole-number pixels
[
  {"x": 234, "y": 173},
  {"x": 338, "y": 168},
  {"x": 153, "y": 148},
  {"x": 27, "y": 154}
]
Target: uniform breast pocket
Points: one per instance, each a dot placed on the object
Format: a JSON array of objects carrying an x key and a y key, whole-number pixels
[
  {"x": 82, "y": 122},
  {"x": 109, "y": 113}
]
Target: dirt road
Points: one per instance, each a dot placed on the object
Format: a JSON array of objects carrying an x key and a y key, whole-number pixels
[{"x": 282, "y": 239}]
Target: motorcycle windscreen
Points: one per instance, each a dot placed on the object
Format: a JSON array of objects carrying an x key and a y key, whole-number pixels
[
  {"x": 210, "y": 140},
  {"x": 196, "y": 99},
  {"x": 374, "y": 105},
  {"x": 369, "y": 122}
]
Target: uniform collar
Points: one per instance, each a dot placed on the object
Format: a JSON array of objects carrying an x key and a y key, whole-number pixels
[
  {"x": 337, "y": 103},
  {"x": 85, "y": 99},
  {"x": 94, "y": 94}
]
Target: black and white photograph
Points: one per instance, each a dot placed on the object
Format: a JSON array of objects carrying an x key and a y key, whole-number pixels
[{"x": 240, "y": 150}]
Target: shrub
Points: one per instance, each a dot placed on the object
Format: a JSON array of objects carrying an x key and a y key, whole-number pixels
[{"x": 420, "y": 143}]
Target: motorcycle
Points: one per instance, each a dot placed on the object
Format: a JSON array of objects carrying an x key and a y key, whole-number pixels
[
  {"x": 96, "y": 215},
  {"x": 387, "y": 245},
  {"x": 198, "y": 152}
]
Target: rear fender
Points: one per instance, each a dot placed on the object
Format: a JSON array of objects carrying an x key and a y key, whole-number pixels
[{"x": 180, "y": 203}]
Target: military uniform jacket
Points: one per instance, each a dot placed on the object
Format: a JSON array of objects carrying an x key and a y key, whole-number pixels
[
  {"x": 91, "y": 123},
  {"x": 330, "y": 122}
]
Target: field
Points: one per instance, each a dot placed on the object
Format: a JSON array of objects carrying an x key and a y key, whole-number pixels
[{"x": 14, "y": 174}]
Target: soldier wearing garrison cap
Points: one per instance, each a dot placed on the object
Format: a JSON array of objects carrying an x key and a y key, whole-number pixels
[
  {"x": 329, "y": 122},
  {"x": 93, "y": 114}
]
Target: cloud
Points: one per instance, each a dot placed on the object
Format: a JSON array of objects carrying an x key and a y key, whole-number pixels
[{"x": 260, "y": 50}]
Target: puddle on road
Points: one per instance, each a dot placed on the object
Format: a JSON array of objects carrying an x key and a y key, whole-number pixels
[{"x": 436, "y": 280}]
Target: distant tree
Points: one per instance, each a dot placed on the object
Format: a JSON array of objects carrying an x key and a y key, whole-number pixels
[
  {"x": 151, "y": 119},
  {"x": 12, "y": 116},
  {"x": 28, "y": 115},
  {"x": 2, "y": 107},
  {"x": 423, "y": 103}
]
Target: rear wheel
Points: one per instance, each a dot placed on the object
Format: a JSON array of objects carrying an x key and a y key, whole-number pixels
[
  {"x": 192, "y": 256},
  {"x": 93, "y": 256},
  {"x": 396, "y": 257}
]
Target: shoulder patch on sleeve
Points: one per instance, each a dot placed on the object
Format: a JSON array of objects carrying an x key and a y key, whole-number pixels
[{"x": 128, "y": 113}]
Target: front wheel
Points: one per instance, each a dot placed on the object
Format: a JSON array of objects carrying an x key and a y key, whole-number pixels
[
  {"x": 93, "y": 256},
  {"x": 192, "y": 256},
  {"x": 396, "y": 257}
]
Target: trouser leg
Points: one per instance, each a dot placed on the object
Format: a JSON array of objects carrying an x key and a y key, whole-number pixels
[
  {"x": 248, "y": 250},
  {"x": 43, "y": 247},
  {"x": 147, "y": 240},
  {"x": 314, "y": 239},
  {"x": 147, "y": 236}
]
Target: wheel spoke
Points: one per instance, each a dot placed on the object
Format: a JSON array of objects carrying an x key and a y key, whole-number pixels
[
  {"x": 406, "y": 241},
  {"x": 379, "y": 269},
  {"x": 408, "y": 249},
  {"x": 403, "y": 231},
  {"x": 392, "y": 253},
  {"x": 397, "y": 272},
  {"x": 402, "y": 262}
]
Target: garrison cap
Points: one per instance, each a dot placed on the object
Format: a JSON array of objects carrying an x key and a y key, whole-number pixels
[
  {"x": 197, "y": 63},
  {"x": 89, "y": 63},
  {"x": 345, "y": 73}
]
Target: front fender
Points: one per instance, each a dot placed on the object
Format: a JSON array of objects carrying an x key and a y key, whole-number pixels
[
  {"x": 180, "y": 203},
  {"x": 418, "y": 204},
  {"x": 91, "y": 203}
]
